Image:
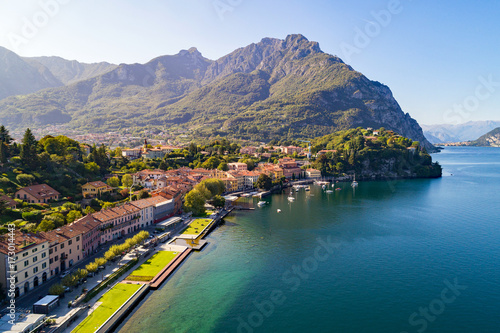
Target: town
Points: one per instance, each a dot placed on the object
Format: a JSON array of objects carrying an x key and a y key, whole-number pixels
[{"x": 64, "y": 203}]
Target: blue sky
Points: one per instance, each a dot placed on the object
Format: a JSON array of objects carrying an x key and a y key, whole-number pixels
[{"x": 440, "y": 58}]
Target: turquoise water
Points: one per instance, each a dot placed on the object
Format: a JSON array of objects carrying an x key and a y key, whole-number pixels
[{"x": 401, "y": 256}]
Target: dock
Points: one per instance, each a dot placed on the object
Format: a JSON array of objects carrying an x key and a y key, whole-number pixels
[{"x": 169, "y": 269}]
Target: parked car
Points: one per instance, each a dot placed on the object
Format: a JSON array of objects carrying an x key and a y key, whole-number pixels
[{"x": 64, "y": 274}]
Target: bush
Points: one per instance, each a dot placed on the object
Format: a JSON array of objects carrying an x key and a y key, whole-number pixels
[
  {"x": 32, "y": 216},
  {"x": 25, "y": 179}
]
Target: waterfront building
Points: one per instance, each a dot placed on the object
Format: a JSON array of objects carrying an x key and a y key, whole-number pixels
[
  {"x": 118, "y": 221},
  {"x": 30, "y": 260},
  {"x": 91, "y": 234},
  {"x": 65, "y": 248}
]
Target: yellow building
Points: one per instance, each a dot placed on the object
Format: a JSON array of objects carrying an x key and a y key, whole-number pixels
[
  {"x": 231, "y": 184},
  {"x": 94, "y": 189}
]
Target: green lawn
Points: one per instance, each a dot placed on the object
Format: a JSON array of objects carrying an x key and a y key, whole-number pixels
[
  {"x": 111, "y": 301},
  {"x": 196, "y": 227},
  {"x": 148, "y": 270}
]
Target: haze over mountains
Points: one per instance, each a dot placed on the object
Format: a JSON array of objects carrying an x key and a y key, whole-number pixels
[
  {"x": 271, "y": 89},
  {"x": 471, "y": 130}
]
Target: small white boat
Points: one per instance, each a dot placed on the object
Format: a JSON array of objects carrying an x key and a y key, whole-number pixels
[
  {"x": 354, "y": 184},
  {"x": 329, "y": 191},
  {"x": 323, "y": 186},
  {"x": 261, "y": 203},
  {"x": 291, "y": 199},
  {"x": 279, "y": 210}
]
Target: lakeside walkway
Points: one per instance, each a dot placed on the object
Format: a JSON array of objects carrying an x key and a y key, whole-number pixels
[{"x": 184, "y": 250}]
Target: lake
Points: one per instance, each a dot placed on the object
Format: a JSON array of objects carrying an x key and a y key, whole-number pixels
[{"x": 388, "y": 256}]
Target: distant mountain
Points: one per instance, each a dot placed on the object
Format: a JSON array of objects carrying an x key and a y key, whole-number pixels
[
  {"x": 17, "y": 76},
  {"x": 490, "y": 139},
  {"x": 458, "y": 133},
  {"x": 71, "y": 71},
  {"x": 272, "y": 89}
]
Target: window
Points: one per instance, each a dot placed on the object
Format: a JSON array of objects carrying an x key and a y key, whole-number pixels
[
  {"x": 35, "y": 270},
  {"x": 25, "y": 274},
  {"x": 70, "y": 242},
  {"x": 78, "y": 247},
  {"x": 51, "y": 261},
  {"x": 50, "y": 251},
  {"x": 34, "y": 250},
  {"x": 15, "y": 279},
  {"x": 56, "y": 258},
  {"x": 44, "y": 255},
  {"x": 25, "y": 254},
  {"x": 62, "y": 246},
  {"x": 69, "y": 251},
  {"x": 26, "y": 262},
  {"x": 77, "y": 238},
  {"x": 44, "y": 265},
  {"x": 35, "y": 258}
]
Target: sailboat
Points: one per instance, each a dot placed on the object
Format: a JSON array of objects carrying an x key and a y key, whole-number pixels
[{"x": 354, "y": 183}]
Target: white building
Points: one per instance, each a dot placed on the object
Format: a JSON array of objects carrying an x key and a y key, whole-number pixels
[{"x": 25, "y": 257}]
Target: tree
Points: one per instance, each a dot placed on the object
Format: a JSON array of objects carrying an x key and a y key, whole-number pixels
[
  {"x": 203, "y": 190},
  {"x": 264, "y": 182},
  {"x": 3, "y": 206},
  {"x": 91, "y": 267},
  {"x": 100, "y": 261},
  {"x": 3, "y": 153},
  {"x": 5, "y": 136},
  {"x": 125, "y": 192},
  {"x": 250, "y": 163},
  {"x": 56, "y": 289},
  {"x": 81, "y": 274},
  {"x": 88, "y": 210},
  {"x": 92, "y": 167},
  {"x": 219, "y": 201},
  {"x": 29, "y": 157},
  {"x": 143, "y": 194},
  {"x": 58, "y": 219},
  {"x": 223, "y": 166},
  {"x": 46, "y": 225},
  {"x": 194, "y": 202},
  {"x": 73, "y": 215},
  {"x": 214, "y": 185},
  {"x": 113, "y": 182},
  {"x": 69, "y": 281},
  {"x": 211, "y": 163},
  {"x": 25, "y": 179},
  {"x": 127, "y": 180}
]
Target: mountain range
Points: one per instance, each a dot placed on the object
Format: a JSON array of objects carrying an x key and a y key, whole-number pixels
[
  {"x": 490, "y": 139},
  {"x": 457, "y": 133},
  {"x": 271, "y": 89}
]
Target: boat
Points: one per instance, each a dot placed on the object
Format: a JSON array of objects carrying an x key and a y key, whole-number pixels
[
  {"x": 291, "y": 197},
  {"x": 354, "y": 183},
  {"x": 261, "y": 203},
  {"x": 323, "y": 186},
  {"x": 338, "y": 189},
  {"x": 329, "y": 191},
  {"x": 308, "y": 188},
  {"x": 279, "y": 210}
]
